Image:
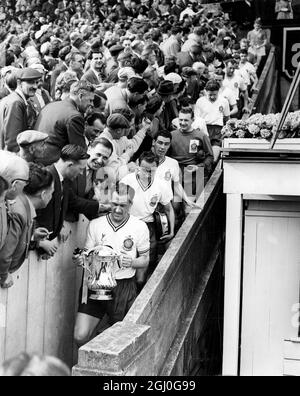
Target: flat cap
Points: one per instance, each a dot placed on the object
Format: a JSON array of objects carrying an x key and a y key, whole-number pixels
[
  {"x": 188, "y": 71},
  {"x": 30, "y": 136},
  {"x": 117, "y": 120},
  {"x": 174, "y": 77},
  {"x": 116, "y": 49},
  {"x": 125, "y": 73},
  {"x": 29, "y": 74}
]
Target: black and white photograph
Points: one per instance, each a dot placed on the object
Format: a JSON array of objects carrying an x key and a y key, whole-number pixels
[{"x": 149, "y": 191}]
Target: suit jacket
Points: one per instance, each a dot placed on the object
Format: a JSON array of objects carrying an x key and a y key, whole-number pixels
[
  {"x": 63, "y": 199},
  {"x": 13, "y": 120},
  {"x": 185, "y": 59},
  {"x": 64, "y": 125},
  {"x": 91, "y": 77},
  {"x": 20, "y": 227}
]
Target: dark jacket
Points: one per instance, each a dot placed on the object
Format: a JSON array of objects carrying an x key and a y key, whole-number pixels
[
  {"x": 64, "y": 125},
  {"x": 17, "y": 243},
  {"x": 184, "y": 59},
  {"x": 13, "y": 120},
  {"x": 91, "y": 77},
  {"x": 53, "y": 216}
]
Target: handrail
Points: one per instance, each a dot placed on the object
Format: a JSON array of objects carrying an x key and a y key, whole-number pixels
[{"x": 261, "y": 81}]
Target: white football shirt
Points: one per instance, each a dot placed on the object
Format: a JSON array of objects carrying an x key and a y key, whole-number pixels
[{"x": 131, "y": 236}]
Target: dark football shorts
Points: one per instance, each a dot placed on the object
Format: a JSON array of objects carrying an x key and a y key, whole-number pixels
[
  {"x": 215, "y": 135},
  {"x": 124, "y": 295}
]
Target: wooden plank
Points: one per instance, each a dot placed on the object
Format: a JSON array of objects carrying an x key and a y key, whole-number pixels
[
  {"x": 36, "y": 304},
  {"x": 60, "y": 300},
  {"x": 232, "y": 284},
  {"x": 16, "y": 325}
]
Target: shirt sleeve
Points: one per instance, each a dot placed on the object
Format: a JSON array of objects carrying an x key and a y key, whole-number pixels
[
  {"x": 165, "y": 197},
  {"x": 90, "y": 238},
  {"x": 143, "y": 243}
]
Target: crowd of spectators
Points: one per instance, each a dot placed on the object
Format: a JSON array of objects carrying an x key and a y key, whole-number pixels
[{"x": 98, "y": 93}]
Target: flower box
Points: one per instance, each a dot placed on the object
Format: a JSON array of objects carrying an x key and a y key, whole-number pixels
[{"x": 261, "y": 144}]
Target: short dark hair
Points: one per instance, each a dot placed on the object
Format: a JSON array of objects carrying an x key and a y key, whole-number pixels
[
  {"x": 39, "y": 179},
  {"x": 126, "y": 112},
  {"x": 72, "y": 152},
  {"x": 139, "y": 65},
  {"x": 154, "y": 104},
  {"x": 95, "y": 116},
  {"x": 137, "y": 85},
  {"x": 164, "y": 133},
  {"x": 231, "y": 60},
  {"x": 187, "y": 110},
  {"x": 102, "y": 140},
  {"x": 212, "y": 85},
  {"x": 80, "y": 86},
  {"x": 176, "y": 29},
  {"x": 3, "y": 185},
  {"x": 149, "y": 157}
]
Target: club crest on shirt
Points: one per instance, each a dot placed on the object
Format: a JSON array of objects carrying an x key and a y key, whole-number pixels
[
  {"x": 236, "y": 85},
  {"x": 221, "y": 109},
  {"x": 128, "y": 243},
  {"x": 154, "y": 200},
  {"x": 168, "y": 175}
]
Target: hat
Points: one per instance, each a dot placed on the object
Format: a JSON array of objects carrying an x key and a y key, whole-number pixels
[
  {"x": 30, "y": 136},
  {"x": 174, "y": 78},
  {"x": 117, "y": 120},
  {"x": 126, "y": 73},
  {"x": 78, "y": 42},
  {"x": 96, "y": 47},
  {"x": 188, "y": 71},
  {"x": 116, "y": 49},
  {"x": 29, "y": 74},
  {"x": 165, "y": 88},
  {"x": 39, "y": 67}
]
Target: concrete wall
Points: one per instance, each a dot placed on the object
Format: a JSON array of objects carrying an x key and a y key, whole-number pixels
[{"x": 161, "y": 333}]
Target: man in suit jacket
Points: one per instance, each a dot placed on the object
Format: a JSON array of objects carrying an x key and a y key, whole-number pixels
[
  {"x": 64, "y": 121},
  {"x": 38, "y": 188},
  {"x": 72, "y": 163},
  {"x": 97, "y": 67},
  {"x": 189, "y": 57},
  {"x": 13, "y": 109}
]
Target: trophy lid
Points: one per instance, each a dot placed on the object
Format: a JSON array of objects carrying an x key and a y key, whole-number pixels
[{"x": 102, "y": 251}]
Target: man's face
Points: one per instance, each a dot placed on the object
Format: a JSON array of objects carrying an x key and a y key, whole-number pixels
[
  {"x": 230, "y": 69},
  {"x": 212, "y": 96},
  {"x": 29, "y": 88},
  {"x": 99, "y": 156},
  {"x": 86, "y": 102},
  {"x": 243, "y": 58},
  {"x": 97, "y": 61},
  {"x": 120, "y": 206},
  {"x": 185, "y": 121},
  {"x": 147, "y": 169},
  {"x": 78, "y": 63},
  {"x": 127, "y": 44},
  {"x": 75, "y": 169},
  {"x": 46, "y": 196},
  {"x": 118, "y": 133},
  {"x": 161, "y": 145},
  {"x": 93, "y": 131}
]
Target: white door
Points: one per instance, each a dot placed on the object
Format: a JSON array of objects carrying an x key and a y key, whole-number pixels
[{"x": 271, "y": 273}]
